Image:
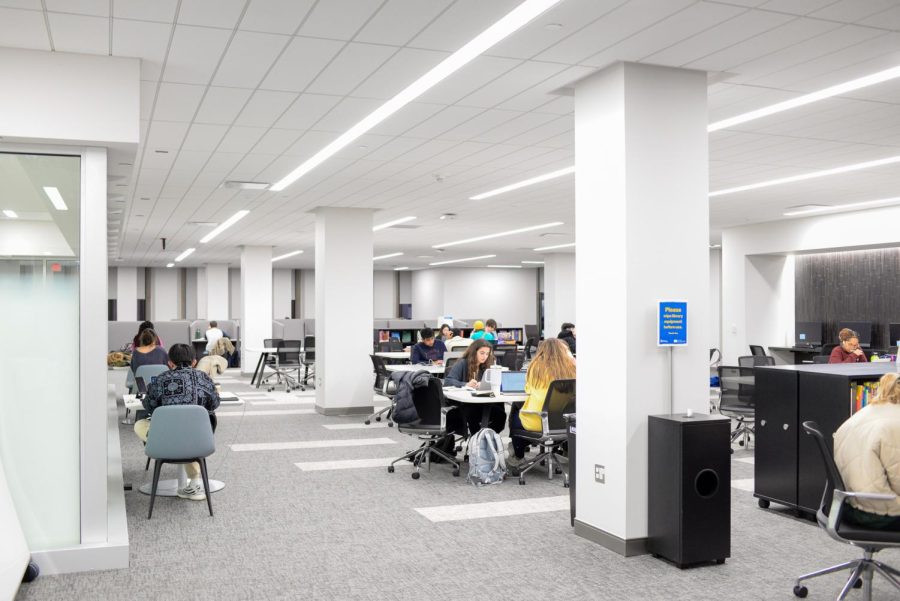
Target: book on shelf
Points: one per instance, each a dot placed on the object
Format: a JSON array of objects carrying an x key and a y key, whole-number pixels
[{"x": 861, "y": 395}]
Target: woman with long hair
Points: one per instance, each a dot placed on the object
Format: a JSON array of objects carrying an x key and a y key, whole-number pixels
[
  {"x": 553, "y": 361},
  {"x": 468, "y": 371}
]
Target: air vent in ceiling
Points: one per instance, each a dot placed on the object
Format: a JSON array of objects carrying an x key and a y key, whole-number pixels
[{"x": 404, "y": 226}]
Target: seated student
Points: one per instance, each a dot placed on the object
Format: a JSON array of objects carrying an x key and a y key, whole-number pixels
[
  {"x": 446, "y": 332},
  {"x": 147, "y": 351},
  {"x": 456, "y": 341},
  {"x": 181, "y": 385},
  {"x": 468, "y": 371},
  {"x": 484, "y": 330},
  {"x": 848, "y": 351},
  {"x": 213, "y": 333},
  {"x": 567, "y": 335},
  {"x": 553, "y": 361},
  {"x": 145, "y": 325},
  {"x": 867, "y": 453},
  {"x": 428, "y": 349}
]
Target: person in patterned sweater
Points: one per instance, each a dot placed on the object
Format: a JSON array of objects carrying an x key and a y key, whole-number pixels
[{"x": 181, "y": 385}]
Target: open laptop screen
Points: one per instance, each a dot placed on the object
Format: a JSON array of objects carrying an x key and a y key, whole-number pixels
[
  {"x": 512, "y": 381},
  {"x": 141, "y": 385}
]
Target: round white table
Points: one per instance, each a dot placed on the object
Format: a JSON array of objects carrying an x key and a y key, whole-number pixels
[{"x": 462, "y": 395}]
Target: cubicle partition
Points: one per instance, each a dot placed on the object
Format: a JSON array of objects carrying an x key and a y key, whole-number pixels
[
  {"x": 121, "y": 333},
  {"x": 291, "y": 329},
  {"x": 228, "y": 326}
]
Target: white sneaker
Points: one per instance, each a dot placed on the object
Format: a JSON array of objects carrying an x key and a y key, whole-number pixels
[{"x": 193, "y": 491}]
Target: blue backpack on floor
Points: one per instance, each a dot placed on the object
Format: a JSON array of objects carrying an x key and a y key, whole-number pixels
[{"x": 487, "y": 458}]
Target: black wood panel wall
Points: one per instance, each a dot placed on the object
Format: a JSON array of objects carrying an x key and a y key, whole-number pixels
[{"x": 862, "y": 285}]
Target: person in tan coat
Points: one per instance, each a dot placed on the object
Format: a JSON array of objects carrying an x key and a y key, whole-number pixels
[{"x": 867, "y": 453}]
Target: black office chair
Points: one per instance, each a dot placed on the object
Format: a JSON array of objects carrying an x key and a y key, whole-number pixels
[
  {"x": 757, "y": 350},
  {"x": 736, "y": 401},
  {"x": 289, "y": 362},
  {"x": 755, "y": 360},
  {"x": 383, "y": 386},
  {"x": 449, "y": 362},
  {"x": 821, "y": 359},
  {"x": 871, "y": 540},
  {"x": 511, "y": 359},
  {"x": 827, "y": 348},
  {"x": 384, "y": 347},
  {"x": 308, "y": 361},
  {"x": 395, "y": 345},
  {"x": 560, "y": 400},
  {"x": 431, "y": 428},
  {"x": 529, "y": 344}
]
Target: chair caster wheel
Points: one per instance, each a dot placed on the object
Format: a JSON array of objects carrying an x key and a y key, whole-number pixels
[
  {"x": 367, "y": 422},
  {"x": 456, "y": 473},
  {"x": 858, "y": 583},
  {"x": 390, "y": 424},
  {"x": 741, "y": 443},
  {"x": 521, "y": 481},
  {"x": 731, "y": 451},
  {"x": 390, "y": 469},
  {"x": 31, "y": 572},
  {"x": 378, "y": 419},
  {"x": 557, "y": 471},
  {"x": 763, "y": 503},
  {"x": 720, "y": 561},
  {"x": 565, "y": 485},
  {"x": 416, "y": 475},
  {"x": 801, "y": 591},
  {"x": 543, "y": 462}
]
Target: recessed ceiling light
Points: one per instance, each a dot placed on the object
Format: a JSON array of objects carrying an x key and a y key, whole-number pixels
[
  {"x": 400, "y": 268},
  {"x": 800, "y": 210},
  {"x": 224, "y": 226},
  {"x": 285, "y": 256},
  {"x": 161, "y": 151},
  {"x": 46, "y": 253},
  {"x": 184, "y": 255},
  {"x": 506, "y": 266},
  {"x": 555, "y": 246},
  {"x": 378, "y": 258},
  {"x": 170, "y": 265},
  {"x": 204, "y": 223},
  {"x": 390, "y": 223},
  {"x": 499, "y": 234},
  {"x": 527, "y": 182},
  {"x": 424, "y": 256},
  {"x": 55, "y": 198},
  {"x": 246, "y": 185},
  {"x": 829, "y": 92},
  {"x": 811, "y": 175},
  {"x": 10, "y": 213},
  {"x": 715, "y": 246},
  {"x": 447, "y": 216},
  {"x": 506, "y": 26},
  {"x": 464, "y": 260},
  {"x": 533, "y": 262}
]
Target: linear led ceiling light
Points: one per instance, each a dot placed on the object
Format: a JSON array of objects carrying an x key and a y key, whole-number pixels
[
  {"x": 810, "y": 175},
  {"x": 400, "y": 268},
  {"x": 170, "y": 264},
  {"x": 527, "y": 182},
  {"x": 285, "y": 256},
  {"x": 509, "y": 24},
  {"x": 505, "y": 266},
  {"x": 184, "y": 255},
  {"x": 463, "y": 260},
  {"x": 11, "y": 214},
  {"x": 224, "y": 226},
  {"x": 555, "y": 246},
  {"x": 378, "y": 258},
  {"x": 852, "y": 205},
  {"x": 56, "y": 198},
  {"x": 499, "y": 234},
  {"x": 837, "y": 90},
  {"x": 533, "y": 262},
  {"x": 392, "y": 223}
]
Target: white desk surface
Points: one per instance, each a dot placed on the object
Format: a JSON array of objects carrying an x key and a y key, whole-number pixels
[
  {"x": 432, "y": 369},
  {"x": 393, "y": 354},
  {"x": 462, "y": 395},
  {"x": 134, "y": 404},
  {"x": 287, "y": 349}
]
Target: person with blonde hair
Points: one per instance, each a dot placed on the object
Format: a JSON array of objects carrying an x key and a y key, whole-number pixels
[
  {"x": 867, "y": 453},
  {"x": 848, "y": 351},
  {"x": 553, "y": 361}
]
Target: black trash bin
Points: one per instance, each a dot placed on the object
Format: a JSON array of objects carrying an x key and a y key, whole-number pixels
[{"x": 570, "y": 428}]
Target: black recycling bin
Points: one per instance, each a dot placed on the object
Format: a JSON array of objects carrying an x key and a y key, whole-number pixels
[{"x": 570, "y": 428}]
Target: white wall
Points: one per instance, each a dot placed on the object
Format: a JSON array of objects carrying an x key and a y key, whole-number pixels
[
  {"x": 191, "y": 302},
  {"x": 142, "y": 282},
  {"x": 282, "y": 293},
  {"x": 559, "y": 292},
  {"x": 234, "y": 295},
  {"x": 217, "y": 290},
  {"x": 758, "y": 275},
  {"x": 32, "y": 239},
  {"x": 165, "y": 294},
  {"x": 111, "y": 279},
  {"x": 126, "y": 293},
  {"x": 405, "y": 285},
  {"x": 307, "y": 294},
  {"x": 715, "y": 298},
  {"x": 385, "y": 297}
]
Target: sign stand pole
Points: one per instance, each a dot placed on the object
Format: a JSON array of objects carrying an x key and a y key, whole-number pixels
[{"x": 671, "y": 383}]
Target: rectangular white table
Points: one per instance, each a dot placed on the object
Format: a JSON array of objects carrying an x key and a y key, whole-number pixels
[
  {"x": 394, "y": 355},
  {"x": 432, "y": 369}
]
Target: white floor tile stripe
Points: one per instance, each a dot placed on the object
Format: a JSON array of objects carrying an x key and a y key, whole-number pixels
[
  {"x": 251, "y": 413},
  {"x": 347, "y": 464},
  {"x": 311, "y": 444},
  {"x": 284, "y": 402},
  {"x": 355, "y": 426},
  {"x": 745, "y": 484},
  {"x": 474, "y": 511},
  {"x": 750, "y": 460}
]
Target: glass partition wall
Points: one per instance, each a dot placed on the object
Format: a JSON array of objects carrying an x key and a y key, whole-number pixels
[{"x": 40, "y": 428}]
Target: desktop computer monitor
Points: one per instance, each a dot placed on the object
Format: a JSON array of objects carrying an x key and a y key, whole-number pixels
[
  {"x": 894, "y": 334},
  {"x": 808, "y": 333},
  {"x": 863, "y": 328}
]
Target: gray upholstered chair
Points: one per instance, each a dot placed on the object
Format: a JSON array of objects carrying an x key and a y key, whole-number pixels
[{"x": 180, "y": 434}]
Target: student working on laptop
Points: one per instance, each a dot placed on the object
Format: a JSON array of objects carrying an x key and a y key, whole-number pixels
[
  {"x": 553, "y": 361},
  {"x": 428, "y": 349},
  {"x": 469, "y": 371}
]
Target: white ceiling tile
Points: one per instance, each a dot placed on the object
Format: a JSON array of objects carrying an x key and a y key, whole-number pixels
[
  {"x": 889, "y": 18},
  {"x": 309, "y": 143},
  {"x": 144, "y": 40},
  {"x": 347, "y": 113},
  {"x": 222, "y": 105},
  {"x": 545, "y": 131},
  {"x": 545, "y": 97},
  {"x": 306, "y": 111},
  {"x": 160, "y": 161},
  {"x": 300, "y": 63},
  {"x": 852, "y": 11},
  {"x": 446, "y": 120},
  {"x": 480, "y": 72},
  {"x": 224, "y": 162},
  {"x": 275, "y": 16},
  {"x": 165, "y": 135},
  {"x": 461, "y": 23},
  {"x": 399, "y": 20},
  {"x": 338, "y": 19},
  {"x": 23, "y": 29},
  {"x": 796, "y": 7},
  {"x": 480, "y": 123},
  {"x": 276, "y": 141},
  {"x": 28, "y": 4},
  {"x": 211, "y": 13},
  {"x": 354, "y": 64},
  {"x": 511, "y": 83},
  {"x": 177, "y": 101},
  {"x": 158, "y": 10},
  {"x": 194, "y": 54},
  {"x": 405, "y": 119},
  {"x": 515, "y": 127},
  {"x": 192, "y": 160},
  {"x": 265, "y": 107},
  {"x": 96, "y": 8},
  {"x": 241, "y": 139},
  {"x": 204, "y": 137},
  {"x": 77, "y": 33},
  {"x": 250, "y": 166},
  {"x": 148, "y": 96},
  {"x": 248, "y": 58},
  {"x": 398, "y": 72}
]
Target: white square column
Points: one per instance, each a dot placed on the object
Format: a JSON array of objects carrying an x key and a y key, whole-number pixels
[
  {"x": 256, "y": 302},
  {"x": 212, "y": 292},
  {"x": 344, "y": 317},
  {"x": 559, "y": 291},
  {"x": 642, "y": 233},
  {"x": 126, "y": 294}
]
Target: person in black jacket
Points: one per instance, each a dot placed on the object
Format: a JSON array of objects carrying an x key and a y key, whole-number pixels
[{"x": 567, "y": 333}]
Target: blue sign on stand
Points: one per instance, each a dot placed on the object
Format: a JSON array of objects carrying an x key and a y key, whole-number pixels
[{"x": 672, "y": 328}]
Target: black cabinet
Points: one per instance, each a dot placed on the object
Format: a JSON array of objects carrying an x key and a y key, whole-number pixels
[{"x": 775, "y": 461}]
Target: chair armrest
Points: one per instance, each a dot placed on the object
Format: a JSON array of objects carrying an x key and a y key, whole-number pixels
[
  {"x": 839, "y": 501},
  {"x": 545, "y": 423}
]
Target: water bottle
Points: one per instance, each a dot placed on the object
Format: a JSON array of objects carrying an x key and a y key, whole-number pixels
[{"x": 197, "y": 334}]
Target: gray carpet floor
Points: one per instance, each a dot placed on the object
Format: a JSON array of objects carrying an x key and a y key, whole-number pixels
[{"x": 283, "y": 533}]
